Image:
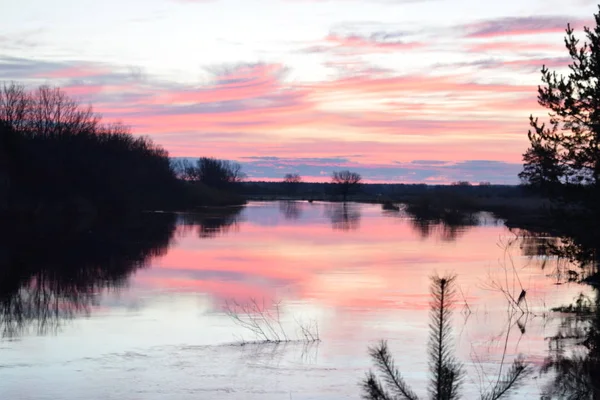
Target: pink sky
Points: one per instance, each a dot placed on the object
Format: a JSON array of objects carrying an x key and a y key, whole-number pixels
[{"x": 399, "y": 91}]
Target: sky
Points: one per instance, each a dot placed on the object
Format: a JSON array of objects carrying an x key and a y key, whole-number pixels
[{"x": 430, "y": 91}]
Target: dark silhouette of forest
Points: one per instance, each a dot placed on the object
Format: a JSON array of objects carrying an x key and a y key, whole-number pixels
[{"x": 58, "y": 158}]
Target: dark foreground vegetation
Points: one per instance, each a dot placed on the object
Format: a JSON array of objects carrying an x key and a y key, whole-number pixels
[{"x": 446, "y": 371}]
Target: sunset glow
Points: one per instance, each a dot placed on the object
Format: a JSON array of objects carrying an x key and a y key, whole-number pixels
[{"x": 401, "y": 91}]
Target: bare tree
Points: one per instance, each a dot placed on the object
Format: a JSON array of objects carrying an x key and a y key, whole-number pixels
[
  {"x": 210, "y": 171},
  {"x": 266, "y": 324},
  {"x": 234, "y": 170},
  {"x": 14, "y": 105},
  {"x": 461, "y": 183},
  {"x": 53, "y": 112},
  {"x": 185, "y": 170},
  {"x": 44, "y": 111},
  {"x": 291, "y": 182},
  {"x": 346, "y": 181},
  {"x": 292, "y": 178}
]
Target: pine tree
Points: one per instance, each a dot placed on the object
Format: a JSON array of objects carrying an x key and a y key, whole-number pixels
[{"x": 564, "y": 156}]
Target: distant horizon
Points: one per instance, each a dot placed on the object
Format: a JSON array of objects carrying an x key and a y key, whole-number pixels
[
  {"x": 363, "y": 182},
  {"x": 272, "y": 169},
  {"x": 398, "y": 90}
]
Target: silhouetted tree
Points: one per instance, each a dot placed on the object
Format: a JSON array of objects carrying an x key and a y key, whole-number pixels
[
  {"x": 566, "y": 152},
  {"x": 291, "y": 182},
  {"x": 219, "y": 174},
  {"x": 14, "y": 105},
  {"x": 446, "y": 371},
  {"x": 563, "y": 160},
  {"x": 461, "y": 183},
  {"x": 345, "y": 182},
  {"x": 212, "y": 172},
  {"x": 292, "y": 178},
  {"x": 186, "y": 170},
  {"x": 52, "y": 112}
]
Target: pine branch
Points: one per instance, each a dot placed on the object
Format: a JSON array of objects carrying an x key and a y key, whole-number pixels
[
  {"x": 510, "y": 380},
  {"x": 372, "y": 389},
  {"x": 392, "y": 378}
]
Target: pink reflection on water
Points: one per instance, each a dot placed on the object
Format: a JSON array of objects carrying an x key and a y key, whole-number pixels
[
  {"x": 381, "y": 265},
  {"x": 361, "y": 286}
]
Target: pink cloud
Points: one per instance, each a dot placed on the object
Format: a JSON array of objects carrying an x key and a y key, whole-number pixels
[
  {"x": 515, "y": 47},
  {"x": 417, "y": 83},
  {"x": 242, "y": 83},
  {"x": 252, "y": 110},
  {"x": 556, "y": 62},
  {"x": 365, "y": 43}
]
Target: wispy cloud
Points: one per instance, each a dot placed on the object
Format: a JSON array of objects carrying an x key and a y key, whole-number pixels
[
  {"x": 378, "y": 42},
  {"x": 512, "y": 47},
  {"x": 248, "y": 110},
  {"x": 514, "y": 26}
]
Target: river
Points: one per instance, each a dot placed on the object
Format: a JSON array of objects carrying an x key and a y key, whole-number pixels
[{"x": 147, "y": 314}]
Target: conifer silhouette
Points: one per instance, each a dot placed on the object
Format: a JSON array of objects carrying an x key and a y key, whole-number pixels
[{"x": 446, "y": 371}]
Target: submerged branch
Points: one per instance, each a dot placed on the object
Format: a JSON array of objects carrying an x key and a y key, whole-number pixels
[{"x": 266, "y": 326}]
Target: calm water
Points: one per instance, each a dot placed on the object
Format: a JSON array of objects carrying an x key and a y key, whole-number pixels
[{"x": 146, "y": 319}]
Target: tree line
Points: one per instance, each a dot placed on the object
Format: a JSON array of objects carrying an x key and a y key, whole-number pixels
[{"x": 57, "y": 156}]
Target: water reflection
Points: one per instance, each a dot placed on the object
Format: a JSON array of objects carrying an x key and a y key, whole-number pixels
[
  {"x": 344, "y": 216},
  {"x": 45, "y": 280},
  {"x": 274, "y": 354},
  {"x": 362, "y": 286},
  {"x": 212, "y": 222},
  {"x": 575, "y": 353},
  {"x": 291, "y": 210},
  {"x": 572, "y": 237},
  {"x": 573, "y": 359},
  {"x": 447, "y": 224}
]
